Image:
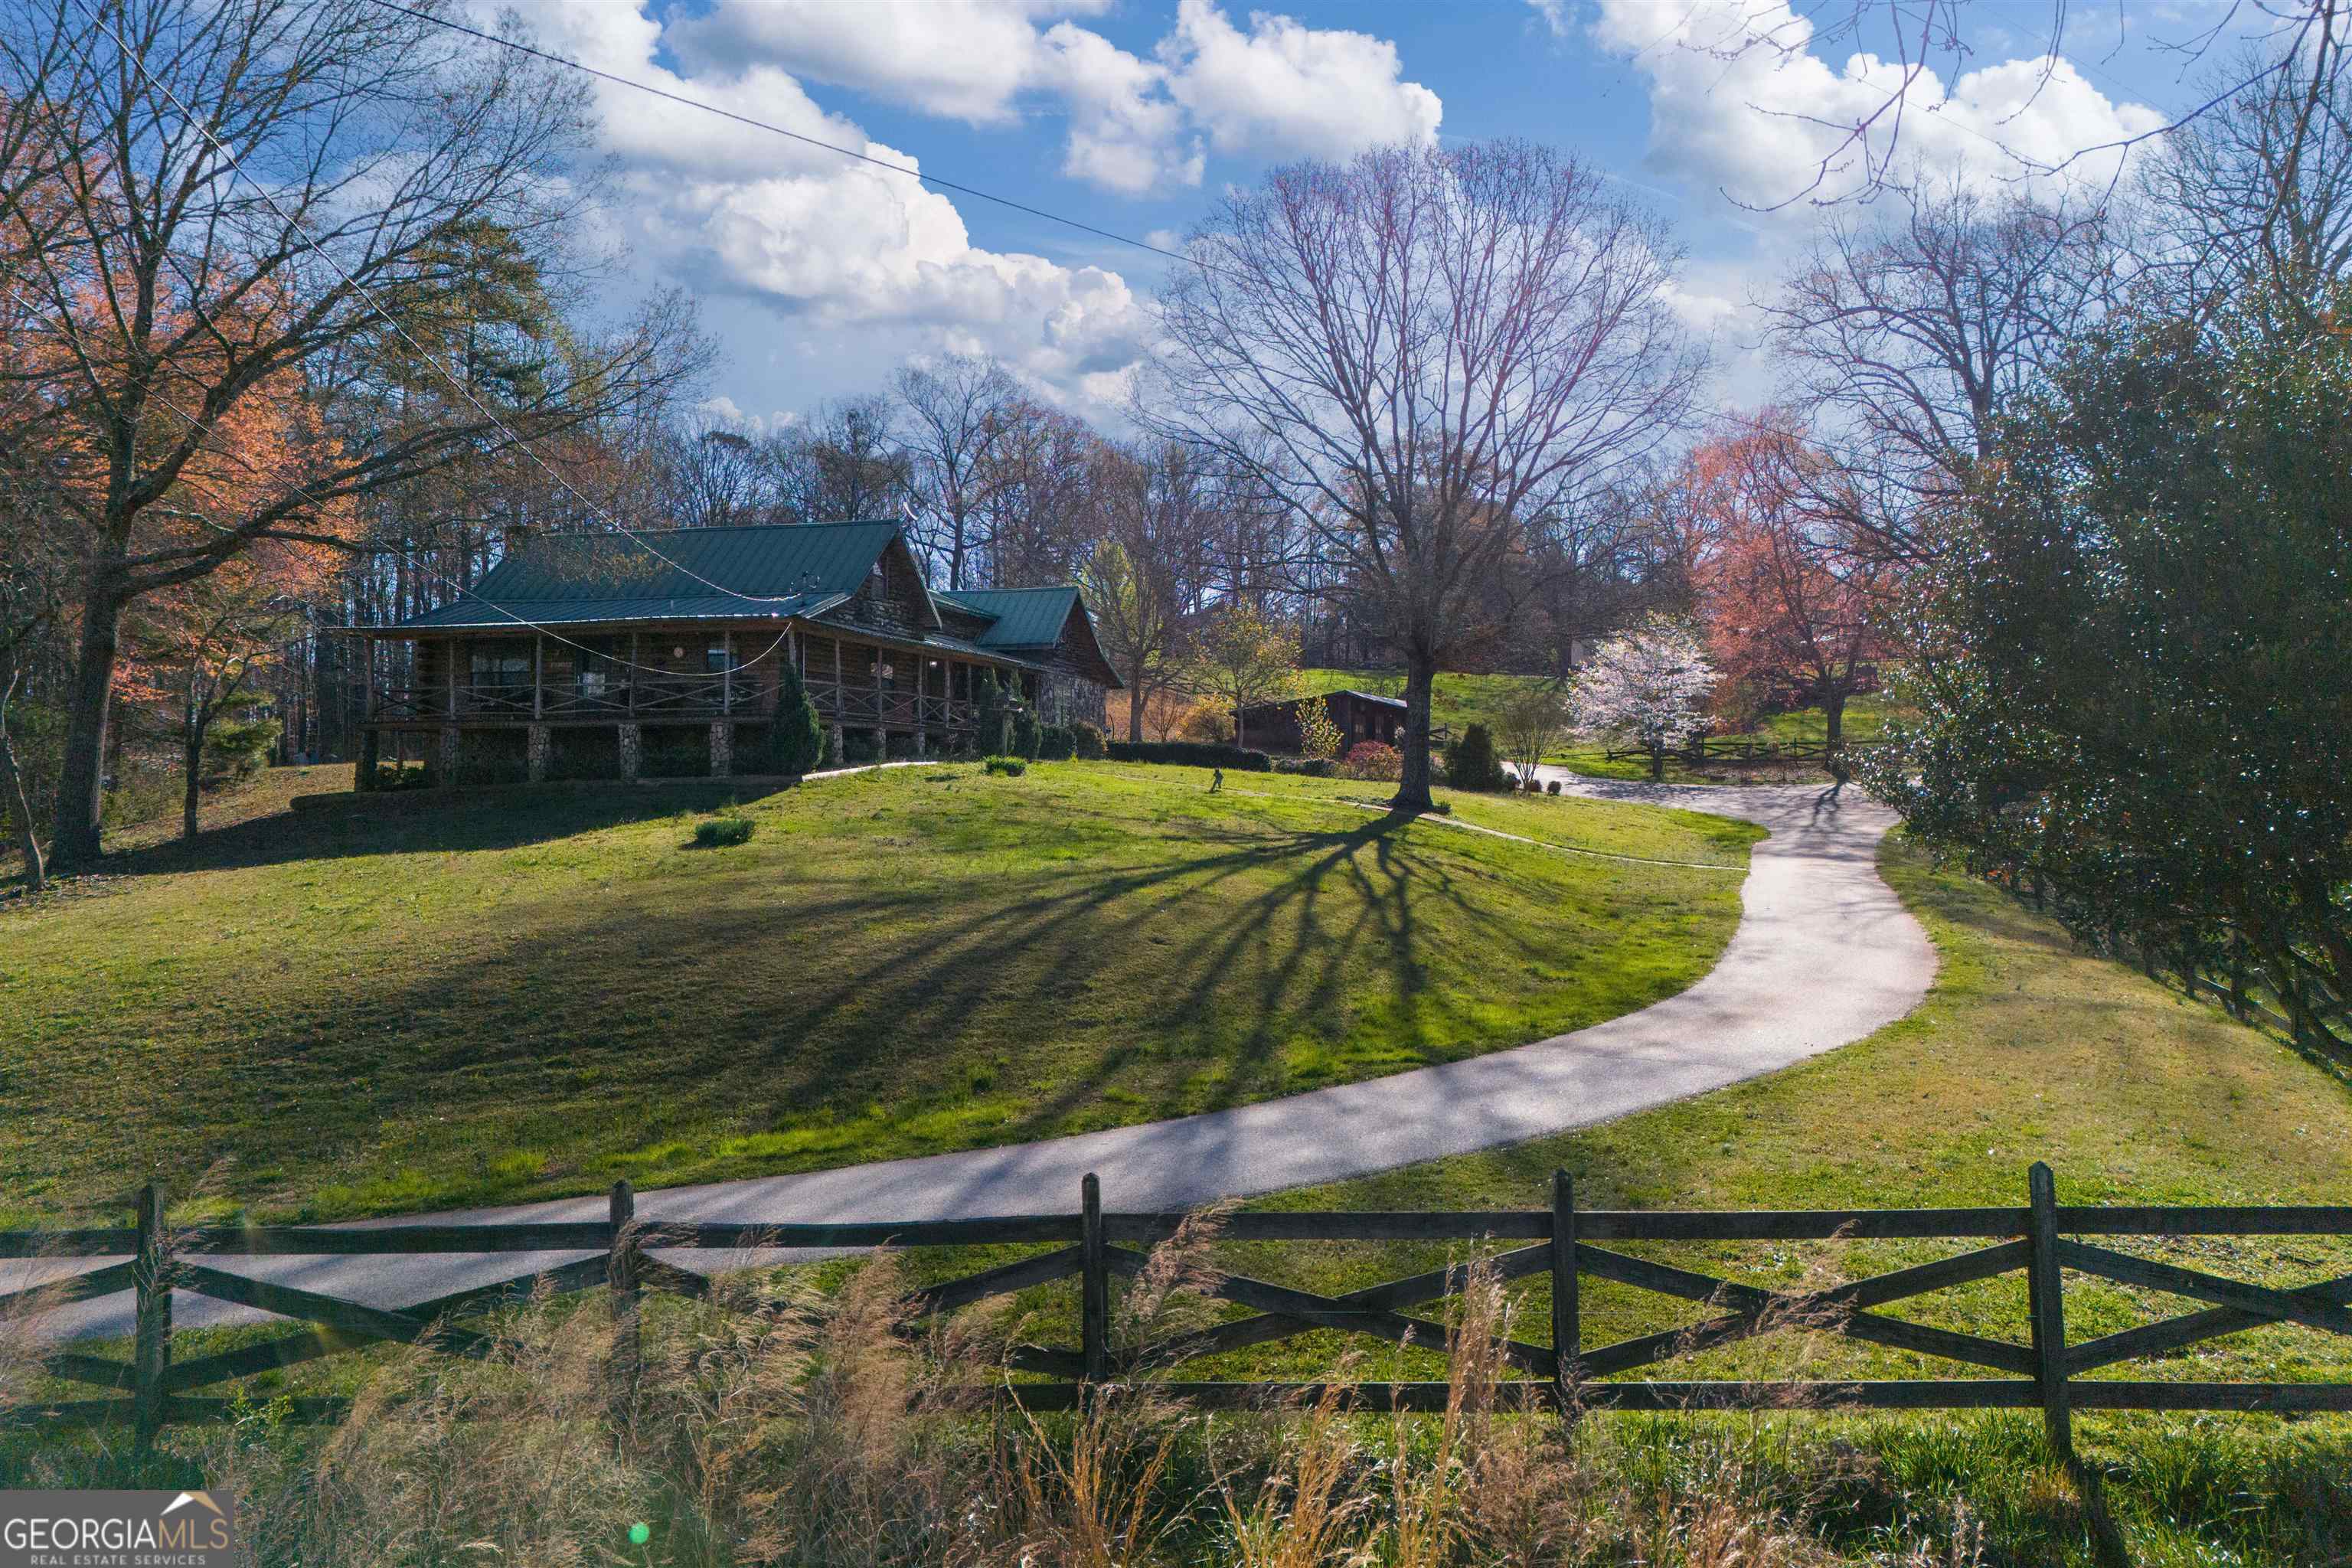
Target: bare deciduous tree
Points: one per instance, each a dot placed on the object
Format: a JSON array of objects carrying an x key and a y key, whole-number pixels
[
  {"x": 956, "y": 413},
  {"x": 1905, "y": 337},
  {"x": 1151, "y": 513},
  {"x": 2257, "y": 189},
  {"x": 1427, "y": 356},
  {"x": 246, "y": 191}
]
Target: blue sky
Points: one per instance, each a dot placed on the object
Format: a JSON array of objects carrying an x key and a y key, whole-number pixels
[{"x": 819, "y": 276}]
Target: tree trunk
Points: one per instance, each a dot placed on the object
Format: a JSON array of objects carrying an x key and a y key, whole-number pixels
[
  {"x": 1420, "y": 681},
  {"x": 1136, "y": 699},
  {"x": 1834, "y": 721},
  {"x": 1657, "y": 761},
  {"x": 193, "y": 743},
  {"x": 81, "y": 780},
  {"x": 20, "y": 805}
]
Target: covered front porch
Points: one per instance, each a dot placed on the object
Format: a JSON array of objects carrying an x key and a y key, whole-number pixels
[{"x": 660, "y": 702}]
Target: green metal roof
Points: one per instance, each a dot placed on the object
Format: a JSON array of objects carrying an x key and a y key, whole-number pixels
[
  {"x": 692, "y": 573},
  {"x": 1025, "y": 617}
]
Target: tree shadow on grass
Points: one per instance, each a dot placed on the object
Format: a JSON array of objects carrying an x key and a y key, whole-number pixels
[
  {"x": 421, "y": 822},
  {"x": 891, "y": 992}
]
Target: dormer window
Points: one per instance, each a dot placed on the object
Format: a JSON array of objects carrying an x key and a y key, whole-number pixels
[{"x": 881, "y": 576}]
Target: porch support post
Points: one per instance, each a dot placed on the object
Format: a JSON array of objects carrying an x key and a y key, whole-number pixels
[
  {"x": 535, "y": 738},
  {"x": 628, "y": 748},
  {"x": 538, "y": 674},
  {"x": 723, "y": 748},
  {"x": 726, "y": 675},
  {"x": 448, "y": 756}
]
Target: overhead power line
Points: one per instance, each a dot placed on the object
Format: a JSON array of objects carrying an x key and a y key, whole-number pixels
[
  {"x": 238, "y": 167},
  {"x": 833, "y": 147}
]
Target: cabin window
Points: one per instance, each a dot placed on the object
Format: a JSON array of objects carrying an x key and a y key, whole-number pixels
[
  {"x": 714, "y": 657},
  {"x": 501, "y": 668},
  {"x": 880, "y": 576}
]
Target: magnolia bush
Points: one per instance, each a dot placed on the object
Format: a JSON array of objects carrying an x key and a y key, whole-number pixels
[{"x": 1647, "y": 687}]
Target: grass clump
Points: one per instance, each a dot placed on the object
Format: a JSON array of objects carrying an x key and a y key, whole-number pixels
[
  {"x": 720, "y": 831},
  {"x": 1008, "y": 767}
]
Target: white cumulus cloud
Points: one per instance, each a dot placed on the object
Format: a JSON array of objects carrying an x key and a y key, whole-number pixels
[
  {"x": 1284, "y": 88},
  {"x": 1757, "y": 118},
  {"x": 848, "y": 262},
  {"x": 1281, "y": 89}
]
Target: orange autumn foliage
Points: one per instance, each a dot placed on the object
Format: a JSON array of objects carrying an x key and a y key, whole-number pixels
[{"x": 1790, "y": 606}]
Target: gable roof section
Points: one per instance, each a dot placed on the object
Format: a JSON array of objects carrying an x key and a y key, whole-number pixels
[
  {"x": 1025, "y": 617},
  {"x": 581, "y": 578}
]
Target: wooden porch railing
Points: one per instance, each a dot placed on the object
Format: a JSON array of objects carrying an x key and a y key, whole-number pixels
[{"x": 2041, "y": 1239}]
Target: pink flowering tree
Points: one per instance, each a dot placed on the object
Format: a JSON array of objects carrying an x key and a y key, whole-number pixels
[{"x": 1647, "y": 687}]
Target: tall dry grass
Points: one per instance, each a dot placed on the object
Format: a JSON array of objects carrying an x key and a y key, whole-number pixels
[{"x": 774, "y": 1424}]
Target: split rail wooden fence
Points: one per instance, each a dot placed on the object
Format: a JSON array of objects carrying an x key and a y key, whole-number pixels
[{"x": 2043, "y": 1239}]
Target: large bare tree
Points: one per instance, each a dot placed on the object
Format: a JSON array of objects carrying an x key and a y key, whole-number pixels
[
  {"x": 1430, "y": 356},
  {"x": 956, "y": 415},
  {"x": 244, "y": 197},
  {"x": 1151, "y": 511},
  {"x": 2257, "y": 191},
  {"x": 1906, "y": 336}
]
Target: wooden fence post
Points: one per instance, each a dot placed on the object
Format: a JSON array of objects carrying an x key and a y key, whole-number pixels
[
  {"x": 2045, "y": 1304},
  {"x": 152, "y": 1331},
  {"x": 621, "y": 1278},
  {"x": 1093, "y": 1282},
  {"x": 1567, "y": 1325}
]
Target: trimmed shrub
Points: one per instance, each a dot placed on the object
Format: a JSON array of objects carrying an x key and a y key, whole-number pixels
[
  {"x": 857, "y": 748},
  {"x": 1027, "y": 734},
  {"x": 1551, "y": 786},
  {"x": 1470, "y": 762},
  {"x": 901, "y": 749},
  {"x": 400, "y": 775},
  {"x": 1013, "y": 767},
  {"x": 1307, "y": 767},
  {"x": 1085, "y": 741},
  {"x": 718, "y": 831},
  {"x": 1055, "y": 744},
  {"x": 1373, "y": 760},
  {"x": 1190, "y": 754},
  {"x": 796, "y": 739}
]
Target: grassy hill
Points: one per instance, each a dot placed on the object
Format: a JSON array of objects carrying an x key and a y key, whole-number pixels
[
  {"x": 2024, "y": 1050},
  {"x": 418, "y": 1004}
]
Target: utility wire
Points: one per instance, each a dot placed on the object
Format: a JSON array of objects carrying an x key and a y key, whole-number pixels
[
  {"x": 944, "y": 184},
  {"x": 430, "y": 358}
]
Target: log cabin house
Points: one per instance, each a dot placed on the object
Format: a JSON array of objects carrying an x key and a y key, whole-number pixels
[{"x": 589, "y": 655}]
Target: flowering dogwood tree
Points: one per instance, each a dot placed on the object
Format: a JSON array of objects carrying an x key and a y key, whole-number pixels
[{"x": 1647, "y": 687}]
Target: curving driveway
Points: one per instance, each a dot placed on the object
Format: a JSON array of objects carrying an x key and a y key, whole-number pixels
[{"x": 1823, "y": 955}]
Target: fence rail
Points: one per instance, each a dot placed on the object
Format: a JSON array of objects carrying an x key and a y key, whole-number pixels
[{"x": 2041, "y": 1239}]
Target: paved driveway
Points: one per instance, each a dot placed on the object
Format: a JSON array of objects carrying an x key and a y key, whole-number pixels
[{"x": 1824, "y": 954}]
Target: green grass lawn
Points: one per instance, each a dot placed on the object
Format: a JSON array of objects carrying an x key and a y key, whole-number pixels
[
  {"x": 1457, "y": 700},
  {"x": 419, "y": 1005},
  {"x": 2023, "y": 1050}
]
